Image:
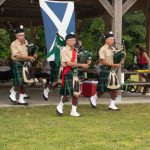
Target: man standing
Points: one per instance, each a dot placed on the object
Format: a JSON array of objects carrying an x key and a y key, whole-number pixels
[
  {"x": 19, "y": 54},
  {"x": 106, "y": 64},
  {"x": 69, "y": 64}
]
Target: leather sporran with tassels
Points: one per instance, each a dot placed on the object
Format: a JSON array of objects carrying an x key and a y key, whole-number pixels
[
  {"x": 76, "y": 86},
  {"x": 113, "y": 82},
  {"x": 27, "y": 73}
]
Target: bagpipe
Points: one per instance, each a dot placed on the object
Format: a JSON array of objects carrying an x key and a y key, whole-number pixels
[
  {"x": 84, "y": 57},
  {"x": 30, "y": 68},
  {"x": 119, "y": 55},
  {"x": 113, "y": 82}
]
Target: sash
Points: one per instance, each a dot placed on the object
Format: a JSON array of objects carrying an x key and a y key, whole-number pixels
[{"x": 68, "y": 68}]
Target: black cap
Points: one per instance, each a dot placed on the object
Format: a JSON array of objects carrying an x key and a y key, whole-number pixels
[
  {"x": 108, "y": 35},
  {"x": 19, "y": 30},
  {"x": 69, "y": 36}
]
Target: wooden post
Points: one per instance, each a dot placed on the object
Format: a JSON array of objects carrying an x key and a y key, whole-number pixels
[
  {"x": 127, "y": 5},
  {"x": 32, "y": 32},
  {"x": 146, "y": 12},
  {"x": 106, "y": 4},
  {"x": 148, "y": 35},
  {"x": 108, "y": 21},
  {"x": 117, "y": 30},
  {"x": 117, "y": 22},
  {"x": 2, "y": 1}
]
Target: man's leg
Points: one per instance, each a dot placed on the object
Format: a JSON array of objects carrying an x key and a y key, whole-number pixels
[
  {"x": 59, "y": 108},
  {"x": 12, "y": 95},
  {"x": 46, "y": 92},
  {"x": 93, "y": 98},
  {"x": 113, "y": 95},
  {"x": 21, "y": 92},
  {"x": 74, "y": 107}
]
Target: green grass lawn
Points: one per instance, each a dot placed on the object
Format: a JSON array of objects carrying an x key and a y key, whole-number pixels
[{"x": 38, "y": 128}]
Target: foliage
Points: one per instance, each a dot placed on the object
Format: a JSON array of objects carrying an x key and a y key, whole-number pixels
[
  {"x": 134, "y": 32},
  {"x": 4, "y": 44},
  {"x": 40, "y": 39},
  {"x": 92, "y": 34}
]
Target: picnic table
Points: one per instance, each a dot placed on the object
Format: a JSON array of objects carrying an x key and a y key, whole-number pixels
[{"x": 144, "y": 73}]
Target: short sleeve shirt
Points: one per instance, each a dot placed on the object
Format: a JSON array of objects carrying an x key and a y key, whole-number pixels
[
  {"x": 18, "y": 49},
  {"x": 66, "y": 55},
  {"x": 106, "y": 53}
]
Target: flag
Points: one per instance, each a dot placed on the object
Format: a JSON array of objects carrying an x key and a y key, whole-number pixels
[
  {"x": 57, "y": 46},
  {"x": 58, "y": 17}
]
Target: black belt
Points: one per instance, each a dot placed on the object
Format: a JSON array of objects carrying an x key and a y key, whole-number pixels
[{"x": 18, "y": 62}]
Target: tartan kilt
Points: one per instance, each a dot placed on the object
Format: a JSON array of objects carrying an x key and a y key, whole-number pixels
[
  {"x": 67, "y": 90},
  {"x": 54, "y": 71},
  {"x": 103, "y": 79},
  {"x": 17, "y": 70}
]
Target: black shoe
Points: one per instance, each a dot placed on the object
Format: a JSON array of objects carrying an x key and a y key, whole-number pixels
[
  {"x": 58, "y": 113},
  {"x": 114, "y": 109},
  {"x": 13, "y": 102},
  {"x": 45, "y": 98},
  {"x": 27, "y": 97},
  {"x": 23, "y": 103}
]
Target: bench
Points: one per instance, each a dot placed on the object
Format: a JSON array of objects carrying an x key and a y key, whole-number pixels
[{"x": 145, "y": 75}]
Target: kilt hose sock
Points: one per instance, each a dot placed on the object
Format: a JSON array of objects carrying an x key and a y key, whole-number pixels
[
  {"x": 74, "y": 100},
  {"x": 113, "y": 94},
  {"x": 21, "y": 89}
]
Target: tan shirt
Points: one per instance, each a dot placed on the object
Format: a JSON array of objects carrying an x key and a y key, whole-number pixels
[
  {"x": 106, "y": 53},
  {"x": 66, "y": 56},
  {"x": 18, "y": 49}
]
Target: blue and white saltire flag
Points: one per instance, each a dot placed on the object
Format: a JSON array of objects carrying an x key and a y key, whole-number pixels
[{"x": 58, "y": 17}]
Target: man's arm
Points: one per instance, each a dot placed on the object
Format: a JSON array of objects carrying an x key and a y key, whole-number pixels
[
  {"x": 75, "y": 64},
  {"x": 104, "y": 62},
  {"x": 15, "y": 53},
  {"x": 30, "y": 58}
]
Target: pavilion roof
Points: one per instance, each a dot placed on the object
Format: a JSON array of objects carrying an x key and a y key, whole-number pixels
[{"x": 27, "y": 12}]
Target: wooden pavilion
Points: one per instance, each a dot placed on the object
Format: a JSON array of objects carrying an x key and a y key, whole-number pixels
[{"x": 27, "y": 12}]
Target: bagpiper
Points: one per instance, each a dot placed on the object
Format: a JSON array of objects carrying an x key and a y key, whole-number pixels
[
  {"x": 106, "y": 60},
  {"x": 69, "y": 64},
  {"x": 19, "y": 55}
]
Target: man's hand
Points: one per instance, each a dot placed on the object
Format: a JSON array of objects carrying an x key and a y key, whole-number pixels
[
  {"x": 85, "y": 66},
  {"x": 122, "y": 62},
  {"x": 30, "y": 58},
  {"x": 35, "y": 56},
  {"x": 117, "y": 65}
]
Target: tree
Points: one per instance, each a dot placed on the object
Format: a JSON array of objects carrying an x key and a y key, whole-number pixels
[
  {"x": 92, "y": 34},
  {"x": 4, "y": 44}
]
